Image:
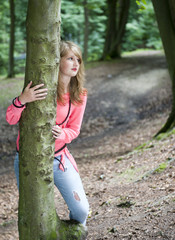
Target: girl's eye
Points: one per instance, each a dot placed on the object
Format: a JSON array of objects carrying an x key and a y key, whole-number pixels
[
  {"x": 70, "y": 58},
  {"x": 79, "y": 61}
]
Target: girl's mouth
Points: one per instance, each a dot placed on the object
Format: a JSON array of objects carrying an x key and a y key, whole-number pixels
[{"x": 74, "y": 69}]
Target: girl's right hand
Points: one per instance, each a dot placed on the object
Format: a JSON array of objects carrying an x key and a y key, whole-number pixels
[{"x": 33, "y": 94}]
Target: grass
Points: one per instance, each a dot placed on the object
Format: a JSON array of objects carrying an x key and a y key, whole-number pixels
[
  {"x": 94, "y": 64},
  {"x": 10, "y": 88},
  {"x": 97, "y": 63},
  {"x": 161, "y": 167},
  {"x": 140, "y": 50},
  {"x": 165, "y": 135},
  {"x": 130, "y": 174}
]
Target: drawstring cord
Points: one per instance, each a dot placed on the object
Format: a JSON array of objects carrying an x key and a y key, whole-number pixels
[{"x": 60, "y": 163}]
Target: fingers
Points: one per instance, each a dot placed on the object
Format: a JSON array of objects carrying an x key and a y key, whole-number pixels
[
  {"x": 41, "y": 94},
  {"x": 56, "y": 130},
  {"x": 41, "y": 90},
  {"x": 35, "y": 87},
  {"x": 32, "y": 94},
  {"x": 39, "y": 97},
  {"x": 37, "y": 93},
  {"x": 38, "y": 86},
  {"x": 29, "y": 84}
]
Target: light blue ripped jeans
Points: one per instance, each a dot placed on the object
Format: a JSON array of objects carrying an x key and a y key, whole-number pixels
[{"x": 70, "y": 186}]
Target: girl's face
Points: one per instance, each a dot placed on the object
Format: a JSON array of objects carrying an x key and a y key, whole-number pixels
[{"x": 69, "y": 65}]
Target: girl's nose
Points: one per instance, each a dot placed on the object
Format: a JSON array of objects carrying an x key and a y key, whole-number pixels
[{"x": 76, "y": 62}]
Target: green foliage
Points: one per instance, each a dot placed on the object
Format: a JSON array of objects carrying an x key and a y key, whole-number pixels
[
  {"x": 20, "y": 33},
  {"x": 142, "y": 32},
  {"x": 4, "y": 35},
  {"x": 141, "y": 4},
  {"x": 72, "y": 28},
  {"x": 72, "y": 19},
  {"x": 141, "y": 29}
]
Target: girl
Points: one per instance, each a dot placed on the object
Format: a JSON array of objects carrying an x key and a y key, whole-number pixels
[{"x": 71, "y": 104}]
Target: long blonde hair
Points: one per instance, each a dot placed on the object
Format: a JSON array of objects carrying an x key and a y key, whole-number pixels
[{"x": 76, "y": 88}]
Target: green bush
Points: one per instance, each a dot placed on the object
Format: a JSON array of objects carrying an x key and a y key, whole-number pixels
[{"x": 142, "y": 32}]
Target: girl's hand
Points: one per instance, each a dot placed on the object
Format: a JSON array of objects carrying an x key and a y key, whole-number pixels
[
  {"x": 33, "y": 94},
  {"x": 56, "y": 130}
]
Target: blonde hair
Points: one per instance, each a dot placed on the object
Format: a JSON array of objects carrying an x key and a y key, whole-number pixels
[{"x": 76, "y": 88}]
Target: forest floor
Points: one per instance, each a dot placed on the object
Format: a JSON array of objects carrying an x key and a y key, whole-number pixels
[{"x": 128, "y": 176}]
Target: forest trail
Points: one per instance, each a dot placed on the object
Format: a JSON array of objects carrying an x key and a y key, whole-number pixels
[
  {"x": 123, "y": 93},
  {"x": 131, "y": 192}
]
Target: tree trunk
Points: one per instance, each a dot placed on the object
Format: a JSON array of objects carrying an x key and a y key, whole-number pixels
[
  {"x": 165, "y": 18},
  {"x": 122, "y": 21},
  {"x": 111, "y": 29},
  {"x": 117, "y": 19},
  {"x": 12, "y": 39},
  {"x": 37, "y": 214},
  {"x": 86, "y": 30}
]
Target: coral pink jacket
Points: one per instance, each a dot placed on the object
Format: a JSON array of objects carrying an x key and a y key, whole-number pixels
[{"x": 71, "y": 127}]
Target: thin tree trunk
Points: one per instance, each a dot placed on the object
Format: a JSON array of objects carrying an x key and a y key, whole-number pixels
[
  {"x": 123, "y": 18},
  {"x": 165, "y": 18},
  {"x": 37, "y": 214},
  {"x": 172, "y": 10},
  {"x": 12, "y": 39},
  {"x": 111, "y": 29},
  {"x": 86, "y": 30},
  {"x": 115, "y": 29}
]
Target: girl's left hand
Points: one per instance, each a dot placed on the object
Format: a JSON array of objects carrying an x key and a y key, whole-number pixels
[{"x": 56, "y": 130}]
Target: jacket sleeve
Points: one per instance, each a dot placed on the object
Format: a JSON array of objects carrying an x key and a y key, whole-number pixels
[
  {"x": 72, "y": 129},
  {"x": 14, "y": 112}
]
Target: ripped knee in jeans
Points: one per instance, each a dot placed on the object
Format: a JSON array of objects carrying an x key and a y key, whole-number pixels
[{"x": 76, "y": 196}]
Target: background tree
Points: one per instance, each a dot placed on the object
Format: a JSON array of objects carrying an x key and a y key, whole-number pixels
[
  {"x": 4, "y": 36},
  {"x": 73, "y": 27},
  {"x": 12, "y": 39},
  {"x": 117, "y": 19},
  {"x": 165, "y": 14},
  {"x": 37, "y": 214},
  {"x": 86, "y": 29},
  {"x": 20, "y": 35},
  {"x": 141, "y": 29},
  {"x": 97, "y": 19}
]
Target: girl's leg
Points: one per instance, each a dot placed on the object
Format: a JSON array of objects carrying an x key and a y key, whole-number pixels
[
  {"x": 70, "y": 186},
  {"x": 16, "y": 168}
]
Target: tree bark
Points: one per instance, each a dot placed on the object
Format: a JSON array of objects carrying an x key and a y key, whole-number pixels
[
  {"x": 12, "y": 39},
  {"x": 37, "y": 215},
  {"x": 165, "y": 18},
  {"x": 122, "y": 21},
  {"x": 111, "y": 28},
  {"x": 117, "y": 19}
]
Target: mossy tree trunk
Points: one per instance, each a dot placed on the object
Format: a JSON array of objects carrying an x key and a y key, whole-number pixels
[
  {"x": 37, "y": 215},
  {"x": 118, "y": 11},
  {"x": 165, "y": 14}
]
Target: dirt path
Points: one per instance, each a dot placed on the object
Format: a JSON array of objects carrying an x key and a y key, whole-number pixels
[
  {"x": 123, "y": 93},
  {"x": 131, "y": 193}
]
